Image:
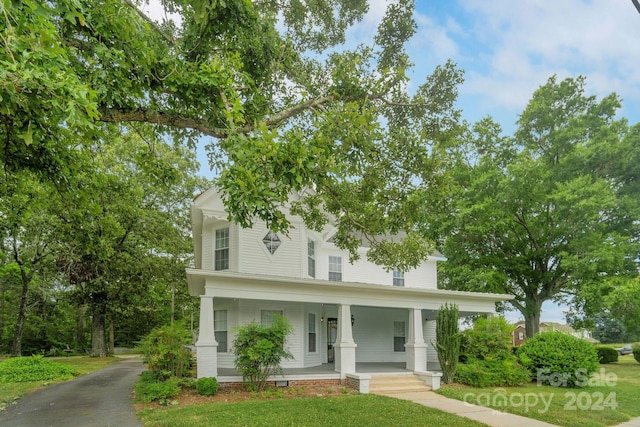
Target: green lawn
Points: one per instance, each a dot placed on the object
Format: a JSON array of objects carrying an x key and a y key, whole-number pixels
[
  {"x": 352, "y": 410},
  {"x": 12, "y": 391},
  {"x": 612, "y": 398}
]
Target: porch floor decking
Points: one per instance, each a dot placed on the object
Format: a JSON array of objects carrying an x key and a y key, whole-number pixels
[{"x": 327, "y": 370}]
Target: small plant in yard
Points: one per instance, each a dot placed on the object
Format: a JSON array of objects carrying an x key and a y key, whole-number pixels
[
  {"x": 150, "y": 387},
  {"x": 448, "y": 340},
  {"x": 259, "y": 350},
  {"x": 607, "y": 354},
  {"x": 559, "y": 359},
  {"x": 636, "y": 352},
  {"x": 34, "y": 368},
  {"x": 207, "y": 386}
]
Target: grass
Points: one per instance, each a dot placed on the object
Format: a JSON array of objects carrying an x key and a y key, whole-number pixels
[
  {"x": 610, "y": 399},
  {"x": 10, "y": 392},
  {"x": 352, "y": 410}
]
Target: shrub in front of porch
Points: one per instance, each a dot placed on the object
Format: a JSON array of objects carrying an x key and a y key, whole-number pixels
[
  {"x": 559, "y": 359},
  {"x": 448, "y": 340},
  {"x": 487, "y": 357},
  {"x": 259, "y": 350},
  {"x": 166, "y": 351}
]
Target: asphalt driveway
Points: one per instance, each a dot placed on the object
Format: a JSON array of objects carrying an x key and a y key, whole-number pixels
[{"x": 99, "y": 399}]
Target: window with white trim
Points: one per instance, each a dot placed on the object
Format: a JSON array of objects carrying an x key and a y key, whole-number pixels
[
  {"x": 312, "y": 333},
  {"x": 311, "y": 258},
  {"x": 399, "y": 336},
  {"x": 266, "y": 316},
  {"x": 220, "y": 329},
  {"x": 222, "y": 249},
  {"x": 335, "y": 268},
  {"x": 398, "y": 278}
]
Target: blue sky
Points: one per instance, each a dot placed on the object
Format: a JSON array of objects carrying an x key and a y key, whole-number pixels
[{"x": 509, "y": 48}]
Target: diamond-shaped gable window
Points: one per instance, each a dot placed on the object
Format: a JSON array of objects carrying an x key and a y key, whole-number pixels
[{"x": 271, "y": 241}]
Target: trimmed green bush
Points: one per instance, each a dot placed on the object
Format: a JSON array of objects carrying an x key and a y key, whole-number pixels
[
  {"x": 150, "y": 388},
  {"x": 492, "y": 373},
  {"x": 34, "y": 368},
  {"x": 207, "y": 386},
  {"x": 559, "y": 359},
  {"x": 636, "y": 352},
  {"x": 607, "y": 355}
]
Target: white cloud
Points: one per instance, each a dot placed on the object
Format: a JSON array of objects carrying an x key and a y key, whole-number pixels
[{"x": 524, "y": 43}]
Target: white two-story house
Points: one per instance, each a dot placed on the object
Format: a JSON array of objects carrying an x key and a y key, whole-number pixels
[{"x": 344, "y": 315}]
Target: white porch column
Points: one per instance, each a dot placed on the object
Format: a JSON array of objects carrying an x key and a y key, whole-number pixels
[
  {"x": 206, "y": 346},
  {"x": 345, "y": 347},
  {"x": 415, "y": 347}
]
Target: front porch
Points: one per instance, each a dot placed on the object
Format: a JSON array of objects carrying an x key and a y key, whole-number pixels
[
  {"x": 326, "y": 374},
  {"x": 328, "y": 370}
]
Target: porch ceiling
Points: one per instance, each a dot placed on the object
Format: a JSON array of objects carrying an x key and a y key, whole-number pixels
[{"x": 227, "y": 284}]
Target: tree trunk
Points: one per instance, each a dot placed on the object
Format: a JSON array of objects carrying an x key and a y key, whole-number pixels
[
  {"x": 98, "y": 337},
  {"x": 532, "y": 317},
  {"x": 16, "y": 348},
  {"x": 81, "y": 327},
  {"x": 111, "y": 336}
]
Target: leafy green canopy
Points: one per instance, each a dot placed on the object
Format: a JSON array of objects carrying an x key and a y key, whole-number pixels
[
  {"x": 550, "y": 213},
  {"x": 285, "y": 106}
]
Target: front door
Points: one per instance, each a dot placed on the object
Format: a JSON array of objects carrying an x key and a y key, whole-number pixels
[{"x": 332, "y": 334}]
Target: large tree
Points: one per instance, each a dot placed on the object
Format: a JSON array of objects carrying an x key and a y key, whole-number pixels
[
  {"x": 27, "y": 228},
  {"x": 551, "y": 212},
  {"x": 286, "y": 107},
  {"x": 126, "y": 227}
]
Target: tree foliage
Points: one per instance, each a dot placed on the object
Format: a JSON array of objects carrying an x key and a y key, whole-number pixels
[
  {"x": 283, "y": 105},
  {"x": 609, "y": 330},
  {"x": 549, "y": 213}
]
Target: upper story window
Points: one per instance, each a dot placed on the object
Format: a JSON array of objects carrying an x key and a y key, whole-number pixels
[
  {"x": 335, "y": 268},
  {"x": 222, "y": 249},
  {"x": 271, "y": 241},
  {"x": 398, "y": 278},
  {"x": 311, "y": 258}
]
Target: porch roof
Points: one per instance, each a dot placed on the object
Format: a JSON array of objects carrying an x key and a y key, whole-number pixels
[{"x": 228, "y": 284}]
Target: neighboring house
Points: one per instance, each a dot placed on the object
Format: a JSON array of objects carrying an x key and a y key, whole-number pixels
[
  {"x": 343, "y": 315},
  {"x": 519, "y": 335}
]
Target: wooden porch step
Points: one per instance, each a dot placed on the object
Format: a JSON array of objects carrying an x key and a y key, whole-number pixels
[{"x": 407, "y": 383}]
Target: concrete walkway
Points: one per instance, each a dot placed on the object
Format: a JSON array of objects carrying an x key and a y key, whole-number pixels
[
  {"x": 633, "y": 422},
  {"x": 487, "y": 416}
]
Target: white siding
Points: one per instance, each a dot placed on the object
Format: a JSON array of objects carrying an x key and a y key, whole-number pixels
[
  {"x": 430, "y": 339},
  {"x": 254, "y": 257},
  {"x": 373, "y": 333},
  {"x": 250, "y": 311}
]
